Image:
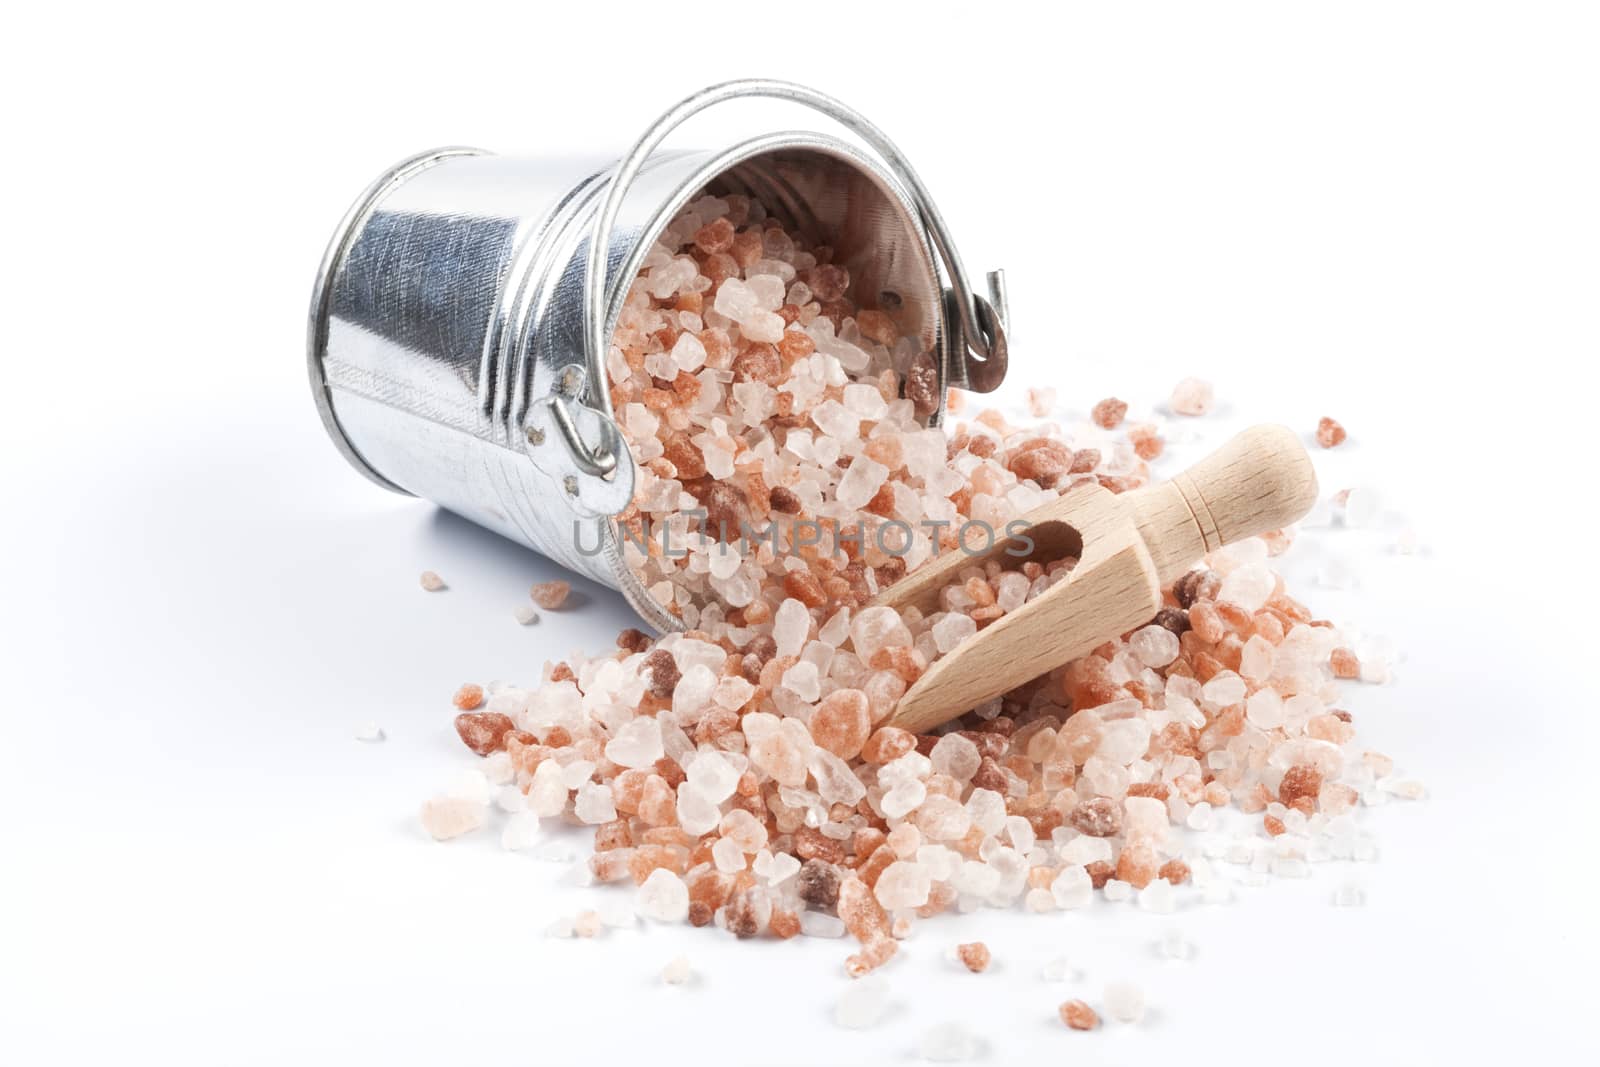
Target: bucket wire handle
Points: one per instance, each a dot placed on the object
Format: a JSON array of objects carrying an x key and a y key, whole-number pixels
[{"x": 983, "y": 321}]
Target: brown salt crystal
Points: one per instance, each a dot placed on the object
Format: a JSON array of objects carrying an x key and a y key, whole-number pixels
[
  {"x": 468, "y": 697},
  {"x": 983, "y": 446},
  {"x": 842, "y": 722},
  {"x": 784, "y": 924},
  {"x": 1175, "y": 620},
  {"x": 746, "y": 912},
  {"x": 610, "y": 835},
  {"x": 811, "y": 843},
  {"x": 550, "y": 595},
  {"x": 662, "y": 671},
  {"x": 1344, "y": 664},
  {"x": 1206, "y": 622},
  {"x": 1137, "y": 865},
  {"x": 890, "y": 571},
  {"x": 887, "y": 744},
  {"x": 684, "y": 456},
  {"x": 1273, "y": 825},
  {"x": 714, "y": 236},
  {"x": 990, "y": 775},
  {"x": 1108, "y": 413},
  {"x": 867, "y": 840},
  {"x": 647, "y": 858},
  {"x": 975, "y": 955},
  {"x": 708, "y": 890},
  {"x": 1300, "y": 782},
  {"x": 631, "y": 640},
  {"x": 1100, "y": 872},
  {"x": 784, "y": 500},
  {"x": 876, "y": 326},
  {"x": 804, "y": 587},
  {"x": 1329, "y": 433},
  {"x": 922, "y": 385},
  {"x": 1097, "y": 817},
  {"x": 758, "y": 363},
  {"x": 1158, "y": 790},
  {"x": 483, "y": 731},
  {"x": 818, "y": 884},
  {"x": 1084, "y": 461},
  {"x": 1190, "y": 587},
  {"x": 828, "y": 281},
  {"x": 1078, "y": 1015},
  {"x": 1175, "y": 871},
  {"x": 1147, "y": 442}
]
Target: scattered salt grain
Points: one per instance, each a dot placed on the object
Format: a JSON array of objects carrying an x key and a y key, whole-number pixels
[
  {"x": 677, "y": 972},
  {"x": 663, "y": 897},
  {"x": 432, "y": 582},
  {"x": 1174, "y": 946},
  {"x": 526, "y": 615},
  {"x": 1124, "y": 1002},
  {"x": 550, "y": 595},
  {"x": 370, "y": 732},
  {"x": 948, "y": 1042},
  {"x": 447, "y": 816},
  {"x": 1192, "y": 396},
  {"x": 862, "y": 1004}
]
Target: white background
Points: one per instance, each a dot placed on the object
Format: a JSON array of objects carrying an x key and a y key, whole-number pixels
[{"x": 1386, "y": 212}]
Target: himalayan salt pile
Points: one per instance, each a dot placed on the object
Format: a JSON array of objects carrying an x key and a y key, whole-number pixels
[
  {"x": 739, "y": 774},
  {"x": 755, "y": 393}
]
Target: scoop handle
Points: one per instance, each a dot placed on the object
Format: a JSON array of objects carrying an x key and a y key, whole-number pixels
[{"x": 1261, "y": 480}]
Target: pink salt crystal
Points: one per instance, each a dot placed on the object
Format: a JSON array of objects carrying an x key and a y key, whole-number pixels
[
  {"x": 431, "y": 582},
  {"x": 550, "y": 595},
  {"x": 842, "y": 722},
  {"x": 445, "y": 817},
  {"x": 1192, "y": 396}
]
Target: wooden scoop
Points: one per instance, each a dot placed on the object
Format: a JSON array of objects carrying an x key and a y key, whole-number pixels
[{"x": 1128, "y": 547}]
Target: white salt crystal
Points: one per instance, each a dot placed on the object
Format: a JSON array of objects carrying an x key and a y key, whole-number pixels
[
  {"x": 697, "y": 813},
  {"x": 952, "y": 629},
  {"x": 903, "y": 885},
  {"x": 1144, "y": 819},
  {"x": 736, "y": 300},
  {"x": 791, "y": 624},
  {"x": 1200, "y": 817},
  {"x": 1057, "y": 969},
  {"x": 988, "y": 810},
  {"x": 1174, "y": 946},
  {"x": 863, "y": 1003},
  {"x": 1159, "y": 897},
  {"x": 637, "y": 744},
  {"x": 1265, "y": 709},
  {"x": 510, "y": 799},
  {"x": 903, "y": 798},
  {"x": 1117, "y": 889},
  {"x": 948, "y": 1042},
  {"x": 1124, "y": 1002},
  {"x": 677, "y": 971},
  {"x": 1072, "y": 887},
  {"x": 821, "y": 924},
  {"x": 1012, "y": 590},
  {"x": 593, "y": 804},
  {"x": 768, "y": 290},
  {"x": 547, "y": 795},
  {"x": 471, "y": 785},
  {"x": 803, "y": 681},
  {"x": 956, "y": 756},
  {"x": 370, "y": 732},
  {"x": 663, "y": 897},
  {"x": 1123, "y": 741},
  {"x": 693, "y": 692},
  {"x": 520, "y": 831},
  {"x": 1155, "y": 646},
  {"x": 1224, "y": 690},
  {"x": 864, "y": 401},
  {"x": 860, "y": 482},
  {"x": 878, "y": 628},
  {"x": 1248, "y": 587},
  {"x": 766, "y": 326},
  {"x": 450, "y": 816},
  {"x": 712, "y": 775}
]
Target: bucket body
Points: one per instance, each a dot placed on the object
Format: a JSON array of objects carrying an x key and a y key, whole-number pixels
[{"x": 449, "y": 351}]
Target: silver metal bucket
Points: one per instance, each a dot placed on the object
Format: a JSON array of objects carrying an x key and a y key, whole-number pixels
[{"x": 460, "y": 317}]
